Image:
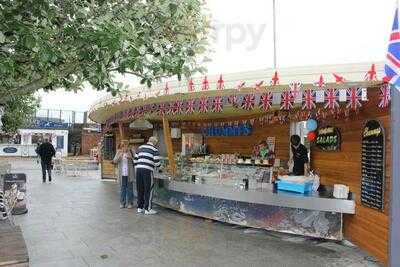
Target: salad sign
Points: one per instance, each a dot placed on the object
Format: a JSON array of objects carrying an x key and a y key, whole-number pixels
[{"x": 329, "y": 139}]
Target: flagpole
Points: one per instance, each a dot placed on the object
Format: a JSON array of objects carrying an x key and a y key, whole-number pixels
[{"x": 274, "y": 29}]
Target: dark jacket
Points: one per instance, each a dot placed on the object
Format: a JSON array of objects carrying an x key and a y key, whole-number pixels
[{"x": 46, "y": 151}]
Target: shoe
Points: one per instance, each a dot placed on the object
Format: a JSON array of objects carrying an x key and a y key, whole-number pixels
[
  {"x": 140, "y": 210},
  {"x": 130, "y": 206},
  {"x": 150, "y": 212},
  {"x": 121, "y": 206}
]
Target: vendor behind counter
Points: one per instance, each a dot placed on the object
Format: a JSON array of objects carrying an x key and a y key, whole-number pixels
[{"x": 299, "y": 157}]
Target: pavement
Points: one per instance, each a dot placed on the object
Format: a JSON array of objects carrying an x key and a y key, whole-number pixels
[{"x": 76, "y": 221}]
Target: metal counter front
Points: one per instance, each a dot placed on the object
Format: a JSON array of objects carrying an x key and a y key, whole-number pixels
[{"x": 314, "y": 215}]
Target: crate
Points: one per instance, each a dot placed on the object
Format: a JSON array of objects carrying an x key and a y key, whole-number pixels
[{"x": 294, "y": 187}]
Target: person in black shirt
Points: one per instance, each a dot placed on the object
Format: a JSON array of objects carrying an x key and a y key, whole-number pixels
[
  {"x": 46, "y": 151},
  {"x": 299, "y": 156}
]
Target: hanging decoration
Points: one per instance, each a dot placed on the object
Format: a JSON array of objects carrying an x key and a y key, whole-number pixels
[
  {"x": 295, "y": 89},
  {"x": 265, "y": 101},
  {"x": 311, "y": 136},
  {"x": 331, "y": 97},
  {"x": 354, "y": 98},
  {"x": 248, "y": 102},
  {"x": 240, "y": 85},
  {"x": 258, "y": 85},
  {"x": 203, "y": 105},
  {"x": 217, "y": 104},
  {"x": 220, "y": 83},
  {"x": 191, "y": 87},
  {"x": 286, "y": 101},
  {"x": 190, "y": 105},
  {"x": 177, "y": 107},
  {"x": 371, "y": 74},
  {"x": 204, "y": 84},
  {"x": 309, "y": 99},
  {"x": 311, "y": 125},
  {"x": 162, "y": 109},
  {"x": 233, "y": 100},
  {"x": 339, "y": 79},
  {"x": 275, "y": 79},
  {"x": 384, "y": 96},
  {"x": 321, "y": 82}
]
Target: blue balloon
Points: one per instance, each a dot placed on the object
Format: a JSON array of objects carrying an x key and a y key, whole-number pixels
[{"x": 311, "y": 125}]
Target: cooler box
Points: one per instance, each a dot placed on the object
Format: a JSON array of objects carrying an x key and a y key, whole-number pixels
[{"x": 295, "y": 187}]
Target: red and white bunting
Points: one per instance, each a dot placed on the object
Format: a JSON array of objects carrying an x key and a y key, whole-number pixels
[
  {"x": 275, "y": 79},
  {"x": 191, "y": 87},
  {"x": 220, "y": 83},
  {"x": 309, "y": 99},
  {"x": 177, "y": 107},
  {"x": 384, "y": 96},
  {"x": 190, "y": 106},
  {"x": 321, "y": 82},
  {"x": 339, "y": 79},
  {"x": 162, "y": 109},
  {"x": 203, "y": 105},
  {"x": 240, "y": 85},
  {"x": 265, "y": 101},
  {"x": 331, "y": 97},
  {"x": 354, "y": 98},
  {"x": 286, "y": 101},
  {"x": 295, "y": 89},
  {"x": 248, "y": 102},
  {"x": 204, "y": 84},
  {"x": 258, "y": 85},
  {"x": 371, "y": 74},
  {"x": 217, "y": 104}
]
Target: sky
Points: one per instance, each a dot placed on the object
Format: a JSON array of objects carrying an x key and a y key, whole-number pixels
[{"x": 308, "y": 32}]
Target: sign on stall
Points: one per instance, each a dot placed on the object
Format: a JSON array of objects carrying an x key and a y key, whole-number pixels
[{"x": 328, "y": 138}]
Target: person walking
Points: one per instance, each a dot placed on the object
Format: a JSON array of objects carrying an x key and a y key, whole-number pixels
[
  {"x": 46, "y": 152},
  {"x": 126, "y": 173},
  {"x": 147, "y": 158}
]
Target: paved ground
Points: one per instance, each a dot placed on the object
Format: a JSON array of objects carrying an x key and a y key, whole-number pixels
[{"x": 77, "y": 222}]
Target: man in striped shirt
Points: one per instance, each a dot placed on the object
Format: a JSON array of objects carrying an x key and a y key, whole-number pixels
[{"x": 147, "y": 158}]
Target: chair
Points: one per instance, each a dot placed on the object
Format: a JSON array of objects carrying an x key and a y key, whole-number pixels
[{"x": 58, "y": 166}]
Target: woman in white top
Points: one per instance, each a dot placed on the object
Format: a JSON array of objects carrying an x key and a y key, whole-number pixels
[{"x": 126, "y": 173}]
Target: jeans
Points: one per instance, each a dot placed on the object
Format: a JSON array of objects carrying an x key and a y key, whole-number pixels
[
  {"x": 145, "y": 186},
  {"x": 46, "y": 166},
  {"x": 126, "y": 191}
]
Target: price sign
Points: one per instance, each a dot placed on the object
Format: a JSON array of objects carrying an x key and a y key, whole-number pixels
[
  {"x": 328, "y": 138},
  {"x": 373, "y": 165}
]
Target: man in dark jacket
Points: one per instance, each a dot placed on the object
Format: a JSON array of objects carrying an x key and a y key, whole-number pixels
[{"x": 46, "y": 151}]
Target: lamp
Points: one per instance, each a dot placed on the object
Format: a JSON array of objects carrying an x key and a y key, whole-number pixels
[{"x": 141, "y": 124}]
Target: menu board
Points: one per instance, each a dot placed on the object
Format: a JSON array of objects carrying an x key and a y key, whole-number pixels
[
  {"x": 373, "y": 165},
  {"x": 328, "y": 138}
]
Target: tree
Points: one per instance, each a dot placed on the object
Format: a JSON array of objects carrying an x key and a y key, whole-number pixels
[
  {"x": 18, "y": 112},
  {"x": 53, "y": 44}
]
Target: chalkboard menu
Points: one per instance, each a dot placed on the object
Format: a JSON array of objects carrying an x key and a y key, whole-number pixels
[
  {"x": 373, "y": 165},
  {"x": 328, "y": 138}
]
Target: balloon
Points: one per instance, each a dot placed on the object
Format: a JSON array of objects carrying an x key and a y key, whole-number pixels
[
  {"x": 311, "y": 136},
  {"x": 311, "y": 125}
]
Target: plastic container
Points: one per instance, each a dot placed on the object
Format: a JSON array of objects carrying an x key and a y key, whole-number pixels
[{"x": 295, "y": 187}]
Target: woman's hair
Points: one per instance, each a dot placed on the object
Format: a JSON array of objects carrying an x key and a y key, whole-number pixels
[{"x": 295, "y": 139}]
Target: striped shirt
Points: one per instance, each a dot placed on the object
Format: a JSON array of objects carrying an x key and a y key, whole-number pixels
[{"x": 147, "y": 157}]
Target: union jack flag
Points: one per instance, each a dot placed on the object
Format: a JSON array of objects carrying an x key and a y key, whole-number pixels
[
  {"x": 205, "y": 85},
  {"x": 321, "y": 82},
  {"x": 233, "y": 100},
  {"x": 191, "y": 87},
  {"x": 248, "y": 102},
  {"x": 286, "y": 100},
  {"x": 166, "y": 89},
  {"x": 190, "y": 104},
  {"x": 384, "y": 97},
  {"x": 354, "y": 98},
  {"x": 220, "y": 83},
  {"x": 240, "y": 85},
  {"x": 139, "y": 111},
  {"x": 203, "y": 105},
  {"x": 162, "y": 109},
  {"x": 392, "y": 66},
  {"x": 309, "y": 99},
  {"x": 217, "y": 104},
  {"x": 265, "y": 101},
  {"x": 258, "y": 85},
  {"x": 295, "y": 89},
  {"x": 371, "y": 74},
  {"x": 331, "y": 97},
  {"x": 177, "y": 107}
]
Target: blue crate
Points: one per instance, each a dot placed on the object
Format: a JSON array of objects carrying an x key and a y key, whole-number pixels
[{"x": 294, "y": 187}]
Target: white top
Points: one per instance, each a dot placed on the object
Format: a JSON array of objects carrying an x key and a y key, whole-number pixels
[{"x": 125, "y": 171}]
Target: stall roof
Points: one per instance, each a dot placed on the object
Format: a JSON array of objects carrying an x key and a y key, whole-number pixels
[{"x": 106, "y": 107}]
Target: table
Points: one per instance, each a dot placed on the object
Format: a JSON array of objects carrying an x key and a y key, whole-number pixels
[{"x": 13, "y": 251}]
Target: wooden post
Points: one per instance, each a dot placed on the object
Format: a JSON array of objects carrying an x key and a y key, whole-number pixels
[
  {"x": 168, "y": 144},
  {"x": 121, "y": 131}
]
